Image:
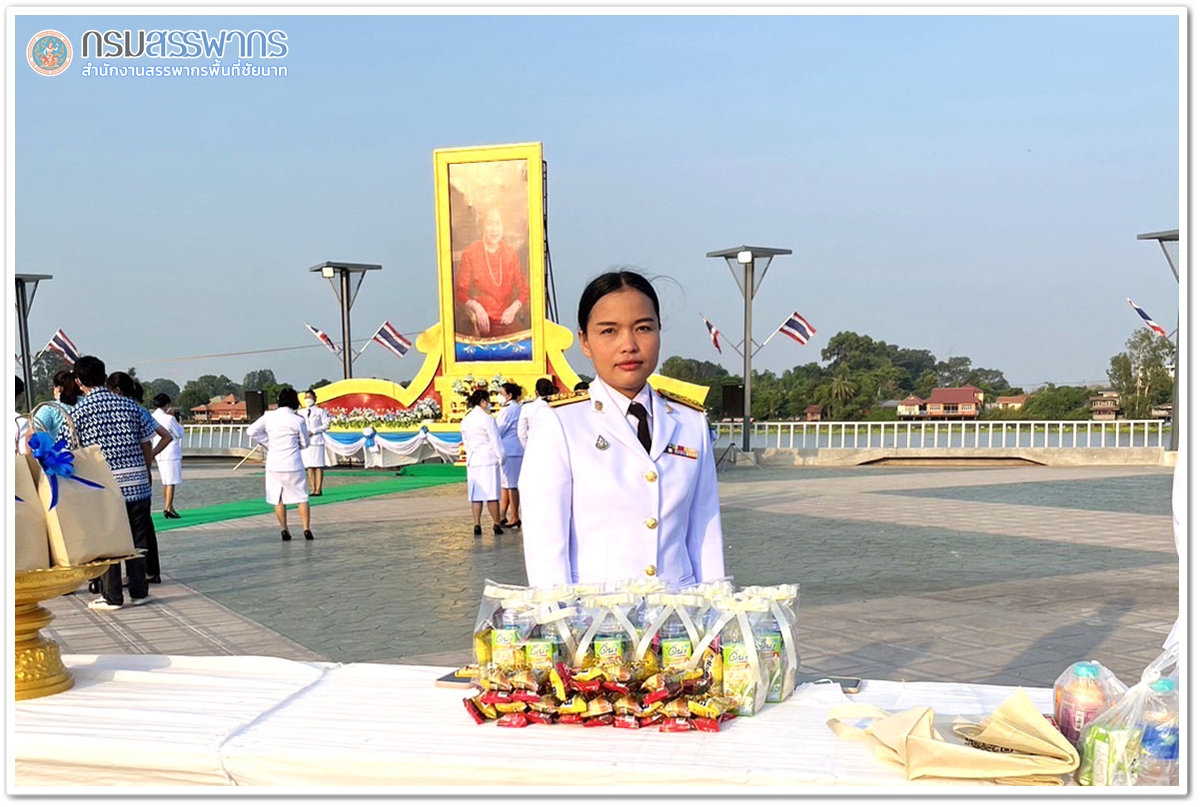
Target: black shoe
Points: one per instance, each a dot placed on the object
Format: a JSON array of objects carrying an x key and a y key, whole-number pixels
[
  {"x": 318, "y": 493},
  {"x": 516, "y": 525},
  {"x": 157, "y": 579},
  {"x": 497, "y": 529},
  {"x": 478, "y": 531},
  {"x": 308, "y": 536},
  {"x": 171, "y": 514},
  {"x": 285, "y": 535}
]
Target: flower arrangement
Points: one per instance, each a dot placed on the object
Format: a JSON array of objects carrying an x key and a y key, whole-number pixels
[
  {"x": 422, "y": 410},
  {"x": 467, "y": 384}
]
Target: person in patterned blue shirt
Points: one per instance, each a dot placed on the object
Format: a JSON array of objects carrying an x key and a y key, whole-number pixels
[{"x": 118, "y": 425}]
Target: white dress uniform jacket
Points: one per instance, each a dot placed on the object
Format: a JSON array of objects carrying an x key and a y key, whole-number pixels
[
  {"x": 597, "y": 508},
  {"x": 174, "y": 450},
  {"x": 481, "y": 439},
  {"x": 317, "y": 421},
  {"x": 530, "y": 412},
  {"x": 284, "y": 434},
  {"x": 506, "y": 424}
]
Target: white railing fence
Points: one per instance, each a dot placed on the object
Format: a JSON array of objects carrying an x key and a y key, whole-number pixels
[
  {"x": 215, "y": 437},
  {"x": 983, "y": 434}
]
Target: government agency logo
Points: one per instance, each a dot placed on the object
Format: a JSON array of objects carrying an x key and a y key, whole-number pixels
[{"x": 49, "y": 53}]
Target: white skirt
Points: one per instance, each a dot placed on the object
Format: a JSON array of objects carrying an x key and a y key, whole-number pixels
[
  {"x": 287, "y": 487},
  {"x": 313, "y": 456},
  {"x": 483, "y": 483},
  {"x": 510, "y": 472},
  {"x": 170, "y": 471}
]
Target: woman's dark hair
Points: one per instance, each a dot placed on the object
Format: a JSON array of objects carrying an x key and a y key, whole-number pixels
[
  {"x": 160, "y": 400},
  {"x": 139, "y": 392},
  {"x": 288, "y": 397},
  {"x": 310, "y": 392},
  {"x": 121, "y": 383},
  {"x": 477, "y": 397},
  {"x": 545, "y": 388},
  {"x": 68, "y": 392},
  {"x": 610, "y": 282},
  {"x": 513, "y": 389}
]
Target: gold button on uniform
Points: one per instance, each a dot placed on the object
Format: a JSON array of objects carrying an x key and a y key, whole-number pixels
[
  {"x": 651, "y": 570},
  {"x": 651, "y": 477},
  {"x": 652, "y": 523}
]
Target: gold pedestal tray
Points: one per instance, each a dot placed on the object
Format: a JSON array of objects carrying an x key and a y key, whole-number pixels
[{"x": 39, "y": 668}]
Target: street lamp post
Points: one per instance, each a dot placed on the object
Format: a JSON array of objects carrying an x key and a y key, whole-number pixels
[
  {"x": 26, "y": 289},
  {"x": 1165, "y": 238},
  {"x": 342, "y": 272},
  {"x": 750, "y": 259}
]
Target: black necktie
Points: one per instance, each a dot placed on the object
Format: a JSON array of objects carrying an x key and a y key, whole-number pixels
[{"x": 643, "y": 419}]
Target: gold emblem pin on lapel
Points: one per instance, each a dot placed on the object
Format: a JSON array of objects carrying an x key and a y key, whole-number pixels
[
  {"x": 669, "y": 409},
  {"x": 598, "y": 406},
  {"x": 601, "y": 443}
]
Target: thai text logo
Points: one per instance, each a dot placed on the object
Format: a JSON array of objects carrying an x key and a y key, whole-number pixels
[{"x": 182, "y": 44}]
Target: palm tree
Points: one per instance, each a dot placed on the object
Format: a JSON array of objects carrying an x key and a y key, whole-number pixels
[{"x": 842, "y": 389}]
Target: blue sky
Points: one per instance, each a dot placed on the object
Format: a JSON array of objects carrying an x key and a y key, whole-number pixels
[{"x": 971, "y": 185}]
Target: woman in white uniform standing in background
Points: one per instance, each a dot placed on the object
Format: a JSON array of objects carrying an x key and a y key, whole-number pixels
[
  {"x": 284, "y": 434},
  {"x": 316, "y": 420},
  {"x": 170, "y": 459},
  {"x": 620, "y": 481},
  {"x": 481, "y": 440},
  {"x": 514, "y": 450}
]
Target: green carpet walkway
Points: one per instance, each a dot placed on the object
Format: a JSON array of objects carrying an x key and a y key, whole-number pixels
[{"x": 411, "y": 478}]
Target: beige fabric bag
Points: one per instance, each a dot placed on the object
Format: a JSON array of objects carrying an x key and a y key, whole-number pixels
[
  {"x": 32, "y": 543},
  {"x": 86, "y": 517},
  {"x": 1029, "y": 750}
]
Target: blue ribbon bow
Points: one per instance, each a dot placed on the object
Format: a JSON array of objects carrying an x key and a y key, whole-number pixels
[{"x": 56, "y": 460}]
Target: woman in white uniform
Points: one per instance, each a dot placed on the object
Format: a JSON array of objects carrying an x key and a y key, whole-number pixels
[
  {"x": 170, "y": 459},
  {"x": 530, "y": 411},
  {"x": 316, "y": 420},
  {"x": 284, "y": 434},
  {"x": 620, "y": 481},
  {"x": 514, "y": 450},
  {"x": 481, "y": 439}
]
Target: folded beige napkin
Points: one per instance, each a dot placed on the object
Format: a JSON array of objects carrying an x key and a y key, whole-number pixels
[{"x": 1028, "y": 750}]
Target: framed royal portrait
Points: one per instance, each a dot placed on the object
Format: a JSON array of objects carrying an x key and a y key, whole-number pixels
[{"x": 491, "y": 277}]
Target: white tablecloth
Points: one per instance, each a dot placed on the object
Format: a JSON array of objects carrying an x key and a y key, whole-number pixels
[{"x": 177, "y": 720}]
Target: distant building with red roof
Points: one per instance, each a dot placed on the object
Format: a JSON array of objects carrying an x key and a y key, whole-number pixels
[
  {"x": 954, "y": 402},
  {"x": 221, "y": 410},
  {"x": 813, "y": 412}
]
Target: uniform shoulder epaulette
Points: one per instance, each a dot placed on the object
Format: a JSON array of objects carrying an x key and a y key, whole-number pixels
[
  {"x": 564, "y": 398},
  {"x": 679, "y": 399}
]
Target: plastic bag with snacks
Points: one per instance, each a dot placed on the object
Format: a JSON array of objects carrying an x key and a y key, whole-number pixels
[
  {"x": 610, "y": 637},
  {"x": 741, "y": 619},
  {"x": 1084, "y": 690},
  {"x": 1136, "y": 741},
  {"x": 505, "y": 611},
  {"x": 669, "y": 631},
  {"x": 777, "y": 639},
  {"x": 551, "y": 640}
]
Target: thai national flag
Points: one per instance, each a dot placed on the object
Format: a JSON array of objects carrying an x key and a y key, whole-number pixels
[
  {"x": 61, "y": 344},
  {"x": 391, "y": 338},
  {"x": 797, "y": 328},
  {"x": 320, "y": 334},
  {"x": 713, "y": 333},
  {"x": 1151, "y": 324}
]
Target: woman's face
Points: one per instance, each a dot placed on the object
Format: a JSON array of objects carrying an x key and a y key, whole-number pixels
[
  {"x": 493, "y": 229},
  {"x": 622, "y": 340},
  {"x": 310, "y": 400}
]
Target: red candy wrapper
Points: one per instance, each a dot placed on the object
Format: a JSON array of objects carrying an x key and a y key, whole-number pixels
[
  {"x": 615, "y": 686},
  {"x": 473, "y": 711},
  {"x": 570, "y": 719},
  {"x": 538, "y": 717},
  {"x": 526, "y": 697},
  {"x": 675, "y": 724},
  {"x": 494, "y": 697},
  {"x": 602, "y": 720},
  {"x": 626, "y": 722},
  {"x": 513, "y": 720},
  {"x": 705, "y": 724}
]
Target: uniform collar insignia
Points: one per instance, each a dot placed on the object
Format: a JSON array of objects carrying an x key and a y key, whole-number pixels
[
  {"x": 598, "y": 406},
  {"x": 601, "y": 443}
]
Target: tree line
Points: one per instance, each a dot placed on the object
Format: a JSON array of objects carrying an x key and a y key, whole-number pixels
[{"x": 860, "y": 373}]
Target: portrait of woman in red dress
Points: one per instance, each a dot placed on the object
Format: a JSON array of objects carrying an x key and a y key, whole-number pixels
[{"x": 491, "y": 289}]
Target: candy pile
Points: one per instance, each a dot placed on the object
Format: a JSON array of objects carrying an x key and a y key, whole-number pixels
[
  {"x": 632, "y": 655},
  {"x": 621, "y": 697}
]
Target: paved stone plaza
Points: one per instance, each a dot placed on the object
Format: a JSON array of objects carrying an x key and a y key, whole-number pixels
[{"x": 999, "y": 575}]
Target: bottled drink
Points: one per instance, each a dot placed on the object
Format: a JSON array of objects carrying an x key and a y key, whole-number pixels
[
  {"x": 738, "y": 680},
  {"x": 508, "y": 638},
  {"x": 608, "y": 644},
  {"x": 1158, "y": 760},
  {"x": 675, "y": 646},
  {"x": 770, "y": 651},
  {"x": 1078, "y": 698},
  {"x": 544, "y": 647}
]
